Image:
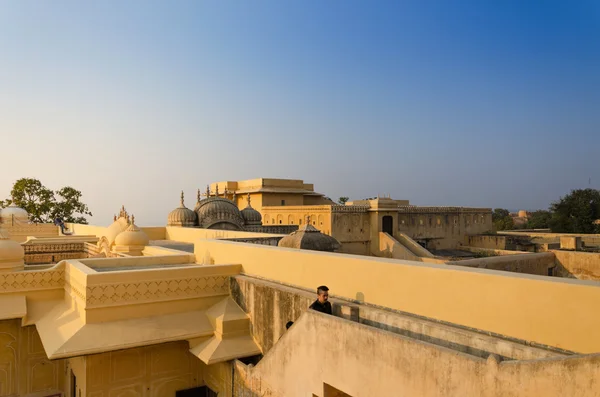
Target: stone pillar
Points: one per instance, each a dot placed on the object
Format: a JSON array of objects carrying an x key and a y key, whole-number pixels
[{"x": 571, "y": 243}]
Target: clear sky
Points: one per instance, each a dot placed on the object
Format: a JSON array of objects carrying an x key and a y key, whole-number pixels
[{"x": 471, "y": 103}]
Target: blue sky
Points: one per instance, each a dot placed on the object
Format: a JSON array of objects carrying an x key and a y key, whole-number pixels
[{"x": 472, "y": 103}]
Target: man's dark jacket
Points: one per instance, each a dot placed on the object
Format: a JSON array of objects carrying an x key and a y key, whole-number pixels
[{"x": 321, "y": 307}]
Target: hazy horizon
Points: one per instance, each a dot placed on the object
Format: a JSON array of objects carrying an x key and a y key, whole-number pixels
[{"x": 466, "y": 103}]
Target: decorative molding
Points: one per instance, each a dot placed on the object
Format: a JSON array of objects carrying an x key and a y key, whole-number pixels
[
  {"x": 75, "y": 289},
  {"x": 155, "y": 290},
  {"x": 32, "y": 280},
  {"x": 433, "y": 210},
  {"x": 44, "y": 259},
  {"x": 52, "y": 248}
]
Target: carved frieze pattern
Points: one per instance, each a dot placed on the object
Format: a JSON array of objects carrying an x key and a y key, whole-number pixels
[
  {"x": 52, "y": 248},
  {"x": 144, "y": 291},
  {"x": 31, "y": 280}
]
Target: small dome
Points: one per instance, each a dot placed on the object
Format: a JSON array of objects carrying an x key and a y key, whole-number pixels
[
  {"x": 132, "y": 236},
  {"x": 309, "y": 238},
  {"x": 13, "y": 213},
  {"x": 182, "y": 216},
  {"x": 219, "y": 213},
  {"x": 12, "y": 254},
  {"x": 118, "y": 226},
  {"x": 251, "y": 216}
]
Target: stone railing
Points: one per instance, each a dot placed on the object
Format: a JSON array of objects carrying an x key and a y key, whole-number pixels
[
  {"x": 275, "y": 229},
  {"x": 409, "y": 209},
  {"x": 273, "y": 241},
  {"x": 350, "y": 208}
]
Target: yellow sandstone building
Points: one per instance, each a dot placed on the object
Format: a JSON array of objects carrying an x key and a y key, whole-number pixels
[{"x": 199, "y": 307}]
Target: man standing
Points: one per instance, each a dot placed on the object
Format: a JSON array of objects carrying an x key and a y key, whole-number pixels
[{"x": 322, "y": 303}]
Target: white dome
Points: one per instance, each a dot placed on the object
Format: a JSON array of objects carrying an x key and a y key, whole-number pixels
[
  {"x": 133, "y": 236},
  {"x": 12, "y": 254},
  {"x": 12, "y": 213}
]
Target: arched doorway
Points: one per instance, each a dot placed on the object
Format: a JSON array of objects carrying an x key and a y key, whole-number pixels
[{"x": 388, "y": 225}]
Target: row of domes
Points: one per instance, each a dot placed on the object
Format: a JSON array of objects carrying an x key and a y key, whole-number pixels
[
  {"x": 124, "y": 235},
  {"x": 214, "y": 212}
]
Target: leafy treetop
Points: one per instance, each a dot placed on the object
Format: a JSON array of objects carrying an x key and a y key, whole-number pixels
[{"x": 44, "y": 205}]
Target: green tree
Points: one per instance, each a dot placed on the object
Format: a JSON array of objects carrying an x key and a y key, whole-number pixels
[
  {"x": 539, "y": 219},
  {"x": 42, "y": 205},
  {"x": 576, "y": 212},
  {"x": 342, "y": 200},
  {"x": 502, "y": 220},
  {"x": 69, "y": 205}
]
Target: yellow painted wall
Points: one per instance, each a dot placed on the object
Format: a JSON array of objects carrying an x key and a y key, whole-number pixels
[
  {"x": 155, "y": 233},
  {"x": 303, "y": 362},
  {"x": 270, "y": 199},
  {"x": 191, "y": 235},
  {"x": 20, "y": 233},
  {"x": 90, "y": 230},
  {"x": 546, "y": 310},
  {"x": 152, "y": 371},
  {"x": 24, "y": 368}
]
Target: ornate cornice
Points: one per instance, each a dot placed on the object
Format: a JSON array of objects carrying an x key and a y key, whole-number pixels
[{"x": 116, "y": 294}]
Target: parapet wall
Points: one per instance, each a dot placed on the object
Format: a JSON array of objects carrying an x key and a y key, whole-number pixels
[
  {"x": 465, "y": 296},
  {"x": 409, "y": 209},
  {"x": 193, "y": 234},
  {"x": 305, "y": 363},
  {"x": 575, "y": 264},
  {"x": 20, "y": 232},
  {"x": 541, "y": 264}
]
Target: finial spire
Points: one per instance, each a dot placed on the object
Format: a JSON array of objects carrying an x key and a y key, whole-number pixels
[
  {"x": 115, "y": 218},
  {"x": 248, "y": 200},
  {"x": 132, "y": 219},
  {"x": 207, "y": 191},
  {"x": 217, "y": 190},
  {"x": 235, "y": 197},
  {"x": 182, "y": 199},
  {"x": 199, "y": 195}
]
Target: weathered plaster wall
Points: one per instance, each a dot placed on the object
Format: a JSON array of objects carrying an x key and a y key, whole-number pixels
[
  {"x": 413, "y": 246},
  {"x": 530, "y": 263},
  {"x": 443, "y": 227},
  {"x": 271, "y": 306},
  {"x": 152, "y": 371},
  {"x": 506, "y": 303},
  {"x": 487, "y": 241},
  {"x": 24, "y": 368},
  {"x": 356, "y": 248},
  {"x": 491, "y": 251},
  {"x": 345, "y": 357},
  {"x": 575, "y": 264},
  {"x": 391, "y": 248}
]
